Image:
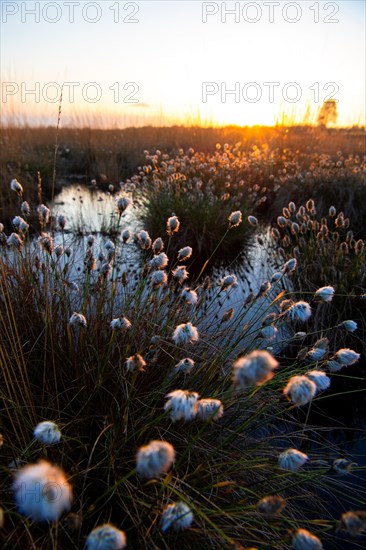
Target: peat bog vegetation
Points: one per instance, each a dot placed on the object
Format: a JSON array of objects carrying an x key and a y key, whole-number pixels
[{"x": 145, "y": 402}]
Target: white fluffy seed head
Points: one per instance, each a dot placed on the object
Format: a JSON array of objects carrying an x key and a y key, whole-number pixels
[
  {"x": 135, "y": 363},
  {"x": 292, "y": 460},
  {"x": 235, "y": 218},
  {"x": 47, "y": 433},
  {"x": 185, "y": 365},
  {"x": 185, "y": 333},
  {"x": 180, "y": 273},
  {"x": 184, "y": 253},
  {"x": 269, "y": 333},
  {"x": 255, "y": 368},
  {"x": 271, "y": 506},
  {"x": 159, "y": 261},
  {"x": 16, "y": 186},
  {"x": 189, "y": 296},
  {"x": 42, "y": 491},
  {"x": 106, "y": 537},
  {"x": 304, "y": 540},
  {"x": 228, "y": 282},
  {"x": 154, "y": 459},
  {"x": 349, "y": 325},
  {"x": 325, "y": 294},
  {"x": 121, "y": 323},
  {"x": 354, "y": 522},
  {"x": 209, "y": 408},
  {"x": 300, "y": 390},
  {"x": 253, "y": 221},
  {"x": 172, "y": 225},
  {"x": 299, "y": 312},
  {"x": 176, "y": 516},
  {"x": 320, "y": 379},
  {"x": 158, "y": 279},
  {"x": 77, "y": 319},
  {"x": 346, "y": 357},
  {"x": 290, "y": 265},
  {"x": 181, "y": 405}
]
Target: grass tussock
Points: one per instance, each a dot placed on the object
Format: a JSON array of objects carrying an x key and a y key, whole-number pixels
[{"x": 170, "y": 420}]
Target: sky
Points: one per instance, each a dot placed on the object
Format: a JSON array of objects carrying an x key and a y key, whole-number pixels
[{"x": 181, "y": 62}]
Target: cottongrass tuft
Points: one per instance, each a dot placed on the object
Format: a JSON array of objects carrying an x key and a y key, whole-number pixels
[
  {"x": 334, "y": 366},
  {"x": 15, "y": 241},
  {"x": 354, "y": 522},
  {"x": 316, "y": 353},
  {"x": 255, "y": 368},
  {"x": 269, "y": 333},
  {"x": 158, "y": 279},
  {"x": 172, "y": 225},
  {"x": 189, "y": 296},
  {"x": 42, "y": 491},
  {"x": 320, "y": 379},
  {"x": 182, "y": 405},
  {"x": 292, "y": 460},
  {"x": 299, "y": 312},
  {"x": 16, "y": 186},
  {"x": 253, "y": 221},
  {"x": 185, "y": 365},
  {"x": 135, "y": 363},
  {"x": 47, "y": 433},
  {"x": 158, "y": 245},
  {"x": 209, "y": 409},
  {"x": 106, "y": 537},
  {"x": 180, "y": 273},
  {"x": 235, "y": 218},
  {"x": 20, "y": 224},
  {"x": 90, "y": 240},
  {"x": 184, "y": 253},
  {"x": 304, "y": 540},
  {"x": 342, "y": 466},
  {"x": 160, "y": 261},
  {"x": 122, "y": 204},
  {"x": 347, "y": 357},
  {"x": 144, "y": 239},
  {"x": 185, "y": 333},
  {"x": 349, "y": 325},
  {"x": 228, "y": 282},
  {"x": 121, "y": 323},
  {"x": 77, "y": 319},
  {"x": 325, "y": 294},
  {"x": 44, "y": 214},
  {"x": 290, "y": 265},
  {"x": 176, "y": 516},
  {"x": 126, "y": 235},
  {"x": 300, "y": 390},
  {"x": 271, "y": 506},
  {"x": 154, "y": 459}
]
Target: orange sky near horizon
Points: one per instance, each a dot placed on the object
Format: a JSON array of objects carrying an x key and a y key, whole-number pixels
[{"x": 182, "y": 62}]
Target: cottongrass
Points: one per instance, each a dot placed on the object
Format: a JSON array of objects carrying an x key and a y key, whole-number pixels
[
  {"x": 255, "y": 368},
  {"x": 304, "y": 540},
  {"x": 42, "y": 491},
  {"x": 107, "y": 384},
  {"x": 154, "y": 459},
  {"x": 185, "y": 333},
  {"x": 176, "y": 516},
  {"x": 182, "y": 405},
  {"x": 292, "y": 460},
  {"x": 47, "y": 432},
  {"x": 106, "y": 537},
  {"x": 300, "y": 390}
]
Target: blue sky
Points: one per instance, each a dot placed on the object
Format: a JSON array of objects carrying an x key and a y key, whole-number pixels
[{"x": 179, "y": 68}]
